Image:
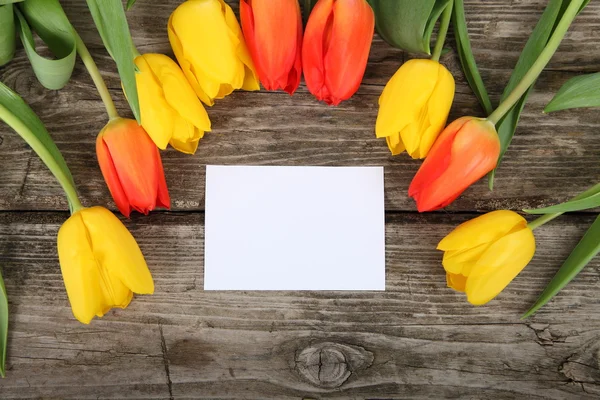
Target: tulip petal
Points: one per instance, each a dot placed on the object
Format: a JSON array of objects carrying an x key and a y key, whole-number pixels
[
  {"x": 438, "y": 108},
  {"x": 209, "y": 45},
  {"x": 313, "y": 56},
  {"x": 437, "y": 161},
  {"x": 116, "y": 250},
  {"x": 248, "y": 23},
  {"x": 499, "y": 265},
  {"x": 473, "y": 153},
  {"x": 187, "y": 67},
  {"x": 248, "y": 73},
  {"x": 180, "y": 98},
  {"x": 162, "y": 192},
  {"x": 273, "y": 33},
  {"x": 157, "y": 116},
  {"x": 404, "y": 103},
  {"x": 462, "y": 261},
  {"x": 456, "y": 281},
  {"x": 111, "y": 177},
  {"x": 347, "y": 52},
  {"x": 134, "y": 154},
  {"x": 187, "y": 136},
  {"x": 91, "y": 293},
  {"x": 513, "y": 246},
  {"x": 483, "y": 229},
  {"x": 395, "y": 145},
  {"x": 201, "y": 27},
  {"x": 295, "y": 75}
]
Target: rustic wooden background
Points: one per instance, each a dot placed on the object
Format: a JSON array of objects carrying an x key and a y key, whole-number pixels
[{"x": 418, "y": 339}]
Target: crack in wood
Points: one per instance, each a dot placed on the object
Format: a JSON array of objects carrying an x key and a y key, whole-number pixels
[
  {"x": 163, "y": 346},
  {"x": 27, "y": 169},
  {"x": 544, "y": 336}
]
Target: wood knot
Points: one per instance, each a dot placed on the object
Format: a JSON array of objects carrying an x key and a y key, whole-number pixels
[{"x": 329, "y": 365}]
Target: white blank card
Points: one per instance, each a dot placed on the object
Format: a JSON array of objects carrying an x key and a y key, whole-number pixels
[{"x": 294, "y": 228}]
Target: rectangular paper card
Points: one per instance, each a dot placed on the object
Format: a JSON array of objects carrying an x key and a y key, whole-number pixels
[{"x": 294, "y": 228}]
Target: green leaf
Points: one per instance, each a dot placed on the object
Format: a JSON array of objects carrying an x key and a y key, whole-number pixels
[
  {"x": 467, "y": 60},
  {"x": 535, "y": 44},
  {"x": 7, "y": 33},
  {"x": 49, "y": 21},
  {"x": 3, "y": 326},
  {"x": 130, "y": 4},
  {"x": 579, "y": 92},
  {"x": 586, "y": 200},
  {"x": 408, "y": 24},
  {"x": 110, "y": 20},
  {"x": 584, "y": 252},
  {"x": 19, "y": 116}
]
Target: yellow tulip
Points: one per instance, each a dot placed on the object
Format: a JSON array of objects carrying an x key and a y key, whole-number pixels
[
  {"x": 170, "y": 110},
  {"x": 483, "y": 255},
  {"x": 414, "y": 107},
  {"x": 208, "y": 43},
  {"x": 101, "y": 263}
]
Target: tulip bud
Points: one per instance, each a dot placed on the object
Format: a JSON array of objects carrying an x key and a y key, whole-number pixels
[
  {"x": 132, "y": 168},
  {"x": 414, "y": 107},
  {"x": 273, "y": 33},
  {"x": 101, "y": 263},
  {"x": 464, "y": 152},
  {"x": 170, "y": 110},
  {"x": 483, "y": 255},
  {"x": 336, "y": 47},
  {"x": 210, "y": 48}
]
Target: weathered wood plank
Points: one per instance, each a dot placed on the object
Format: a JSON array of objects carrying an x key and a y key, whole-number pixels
[
  {"x": 552, "y": 158},
  {"x": 418, "y": 339}
]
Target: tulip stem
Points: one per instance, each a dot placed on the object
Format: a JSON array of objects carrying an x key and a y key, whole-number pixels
[
  {"x": 441, "y": 38},
  {"x": 539, "y": 64},
  {"x": 536, "y": 223},
  {"x": 92, "y": 68}
]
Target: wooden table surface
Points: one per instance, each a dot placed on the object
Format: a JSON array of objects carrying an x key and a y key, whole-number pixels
[{"x": 418, "y": 339}]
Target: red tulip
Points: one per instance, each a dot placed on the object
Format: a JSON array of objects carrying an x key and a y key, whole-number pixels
[
  {"x": 273, "y": 33},
  {"x": 132, "y": 168},
  {"x": 463, "y": 153},
  {"x": 336, "y": 48}
]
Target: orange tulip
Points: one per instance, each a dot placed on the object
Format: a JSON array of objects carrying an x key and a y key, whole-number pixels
[
  {"x": 336, "y": 47},
  {"x": 273, "y": 33},
  {"x": 132, "y": 168},
  {"x": 463, "y": 153}
]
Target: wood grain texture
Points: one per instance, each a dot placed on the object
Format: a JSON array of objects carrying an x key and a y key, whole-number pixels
[
  {"x": 552, "y": 157},
  {"x": 418, "y": 339}
]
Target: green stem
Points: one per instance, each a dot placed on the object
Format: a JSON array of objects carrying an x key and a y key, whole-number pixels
[
  {"x": 540, "y": 63},
  {"x": 441, "y": 39},
  {"x": 536, "y": 223},
  {"x": 48, "y": 159},
  {"x": 92, "y": 68}
]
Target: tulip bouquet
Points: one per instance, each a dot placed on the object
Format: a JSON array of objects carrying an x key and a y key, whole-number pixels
[{"x": 101, "y": 263}]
